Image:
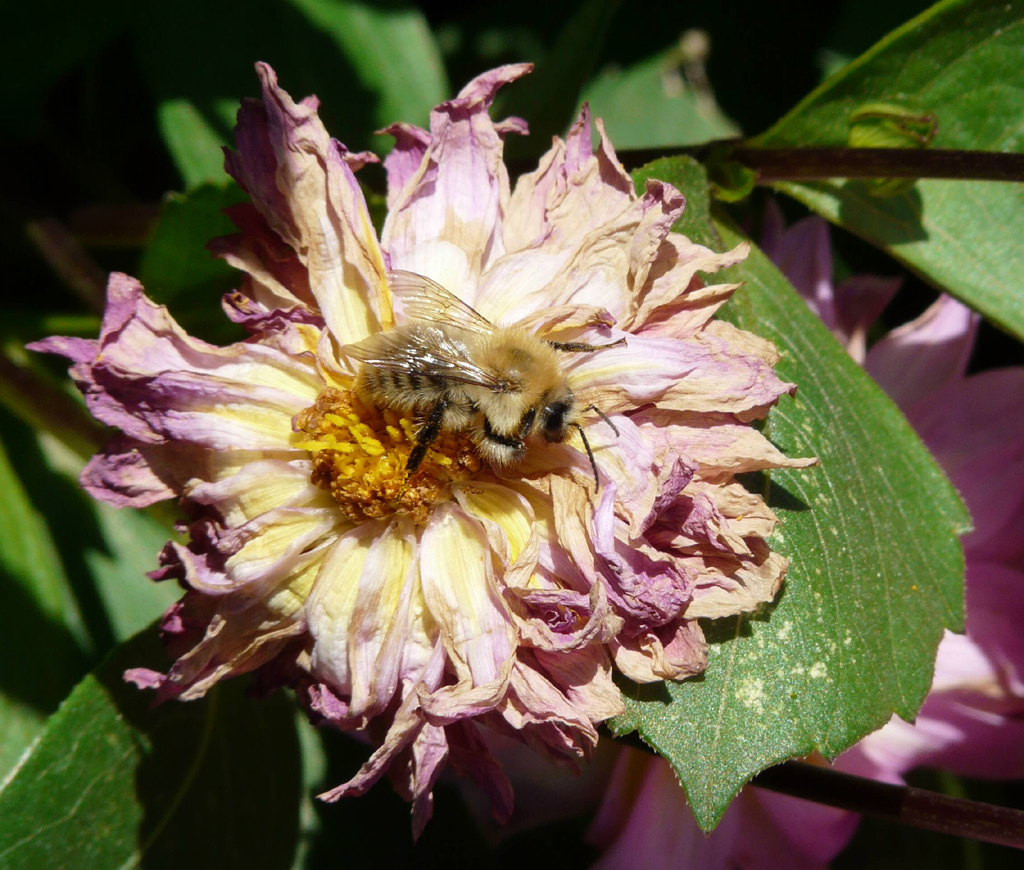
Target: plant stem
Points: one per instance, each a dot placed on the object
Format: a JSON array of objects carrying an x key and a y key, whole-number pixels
[
  {"x": 782, "y": 164},
  {"x": 901, "y": 804},
  {"x": 779, "y": 164},
  {"x": 69, "y": 260},
  {"x": 45, "y": 407}
]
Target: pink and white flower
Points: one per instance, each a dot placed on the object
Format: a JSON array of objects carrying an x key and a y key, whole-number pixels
[{"x": 467, "y": 597}]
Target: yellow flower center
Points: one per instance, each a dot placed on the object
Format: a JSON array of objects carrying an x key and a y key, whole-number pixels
[{"x": 360, "y": 452}]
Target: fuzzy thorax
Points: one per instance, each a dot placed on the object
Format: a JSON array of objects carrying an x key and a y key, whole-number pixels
[{"x": 359, "y": 455}]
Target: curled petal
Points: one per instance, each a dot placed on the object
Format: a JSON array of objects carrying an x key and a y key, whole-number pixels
[
  {"x": 275, "y": 278},
  {"x": 671, "y": 652},
  {"x": 561, "y": 619},
  {"x": 405, "y": 727},
  {"x": 428, "y": 753},
  {"x": 585, "y": 677},
  {"x": 714, "y": 443},
  {"x": 402, "y": 163},
  {"x": 544, "y": 716},
  {"x": 129, "y": 473},
  {"x": 446, "y": 221},
  {"x": 707, "y": 374},
  {"x": 727, "y": 585},
  {"x": 303, "y": 183}
]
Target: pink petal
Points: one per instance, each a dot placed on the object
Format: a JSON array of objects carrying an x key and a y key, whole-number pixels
[
  {"x": 671, "y": 652},
  {"x": 803, "y": 253},
  {"x": 129, "y": 473},
  {"x": 446, "y": 222},
  {"x": 404, "y": 160},
  {"x": 156, "y": 383},
  {"x": 973, "y": 426},
  {"x": 303, "y": 183},
  {"x": 860, "y": 301},
  {"x": 926, "y": 354}
]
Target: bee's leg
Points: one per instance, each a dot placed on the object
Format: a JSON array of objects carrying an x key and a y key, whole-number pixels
[
  {"x": 583, "y": 347},
  {"x": 526, "y": 423},
  {"x": 603, "y": 416},
  {"x": 590, "y": 455},
  {"x": 428, "y": 432}
]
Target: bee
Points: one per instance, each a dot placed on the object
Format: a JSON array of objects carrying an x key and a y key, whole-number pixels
[{"x": 459, "y": 371}]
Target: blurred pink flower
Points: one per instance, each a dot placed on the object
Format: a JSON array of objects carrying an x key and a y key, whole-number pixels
[{"x": 972, "y": 722}]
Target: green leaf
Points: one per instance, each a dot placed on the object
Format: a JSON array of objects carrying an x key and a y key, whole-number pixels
[
  {"x": 195, "y": 138},
  {"x": 370, "y": 64},
  {"x": 651, "y": 105},
  {"x": 41, "y": 633},
  {"x": 876, "y": 574},
  {"x": 176, "y": 268},
  {"x": 114, "y": 782},
  {"x": 959, "y": 62},
  {"x": 129, "y": 542},
  {"x": 392, "y": 52},
  {"x": 687, "y": 175},
  {"x": 94, "y": 558},
  {"x": 314, "y": 781}
]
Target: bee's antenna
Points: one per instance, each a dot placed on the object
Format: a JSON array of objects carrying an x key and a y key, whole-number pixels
[
  {"x": 590, "y": 454},
  {"x": 604, "y": 417}
]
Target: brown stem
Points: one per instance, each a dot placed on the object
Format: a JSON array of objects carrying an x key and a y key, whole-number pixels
[
  {"x": 895, "y": 803},
  {"x": 117, "y": 225},
  {"x": 779, "y": 164},
  {"x": 69, "y": 261},
  {"x": 46, "y": 407},
  {"x": 782, "y": 164}
]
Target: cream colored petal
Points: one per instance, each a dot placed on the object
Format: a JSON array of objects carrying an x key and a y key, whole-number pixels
[
  {"x": 275, "y": 541},
  {"x": 717, "y": 446},
  {"x": 258, "y": 487},
  {"x": 421, "y": 640},
  {"x": 563, "y": 317},
  {"x": 459, "y": 588},
  {"x": 743, "y": 589},
  {"x": 510, "y": 525},
  {"x": 740, "y": 341},
  {"x": 670, "y": 274},
  {"x": 330, "y": 226},
  {"x": 264, "y": 286},
  {"x": 748, "y": 515},
  {"x": 379, "y": 620},
  {"x": 289, "y": 599},
  {"x": 585, "y": 675},
  {"x": 331, "y": 603}
]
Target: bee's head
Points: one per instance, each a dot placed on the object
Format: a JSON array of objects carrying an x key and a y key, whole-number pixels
[{"x": 557, "y": 415}]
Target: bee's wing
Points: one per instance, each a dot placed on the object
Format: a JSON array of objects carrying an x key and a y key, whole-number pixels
[
  {"x": 426, "y": 350},
  {"x": 426, "y": 300}
]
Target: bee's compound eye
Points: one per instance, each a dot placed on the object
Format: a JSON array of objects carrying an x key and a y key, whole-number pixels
[{"x": 553, "y": 422}]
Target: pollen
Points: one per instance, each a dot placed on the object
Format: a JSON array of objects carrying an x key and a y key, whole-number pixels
[{"x": 360, "y": 452}]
